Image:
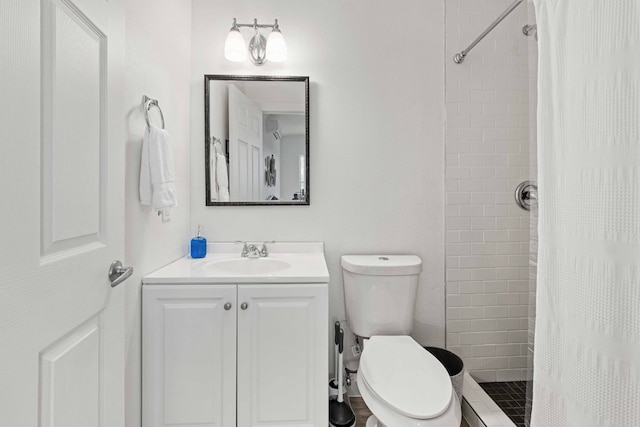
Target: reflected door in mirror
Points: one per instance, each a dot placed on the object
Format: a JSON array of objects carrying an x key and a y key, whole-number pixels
[{"x": 245, "y": 147}]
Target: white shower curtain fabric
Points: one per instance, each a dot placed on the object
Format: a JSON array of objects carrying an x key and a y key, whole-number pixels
[{"x": 587, "y": 342}]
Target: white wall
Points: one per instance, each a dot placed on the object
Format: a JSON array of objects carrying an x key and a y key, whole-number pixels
[
  {"x": 291, "y": 148},
  {"x": 487, "y": 156},
  {"x": 377, "y": 139},
  {"x": 158, "y": 46}
]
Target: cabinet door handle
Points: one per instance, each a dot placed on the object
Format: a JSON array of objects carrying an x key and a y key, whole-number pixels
[
  {"x": 244, "y": 306},
  {"x": 227, "y": 306}
]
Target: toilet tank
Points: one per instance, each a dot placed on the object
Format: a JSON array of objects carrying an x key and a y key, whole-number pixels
[{"x": 380, "y": 293}]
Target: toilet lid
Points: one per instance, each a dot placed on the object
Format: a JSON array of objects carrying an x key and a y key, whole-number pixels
[
  {"x": 382, "y": 265},
  {"x": 406, "y": 376}
]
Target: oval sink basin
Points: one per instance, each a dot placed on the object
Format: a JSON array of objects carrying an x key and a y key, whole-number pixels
[{"x": 247, "y": 266}]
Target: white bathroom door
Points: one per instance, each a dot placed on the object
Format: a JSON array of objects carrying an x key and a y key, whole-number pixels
[
  {"x": 246, "y": 165},
  {"x": 62, "y": 218}
]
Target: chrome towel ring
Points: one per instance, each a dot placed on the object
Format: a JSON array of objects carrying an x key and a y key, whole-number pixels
[{"x": 148, "y": 103}]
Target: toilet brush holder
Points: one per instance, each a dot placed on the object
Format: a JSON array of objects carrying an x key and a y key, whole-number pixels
[
  {"x": 340, "y": 413},
  {"x": 353, "y": 424},
  {"x": 333, "y": 389},
  {"x": 333, "y": 384}
]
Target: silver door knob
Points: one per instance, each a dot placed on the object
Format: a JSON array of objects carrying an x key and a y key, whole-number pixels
[
  {"x": 227, "y": 306},
  {"x": 244, "y": 306},
  {"x": 118, "y": 273}
]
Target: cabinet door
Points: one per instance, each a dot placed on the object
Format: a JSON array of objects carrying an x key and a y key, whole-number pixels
[
  {"x": 189, "y": 355},
  {"x": 282, "y": 355}
]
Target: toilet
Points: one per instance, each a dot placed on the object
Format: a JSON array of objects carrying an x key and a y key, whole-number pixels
[{"x": 401, "y": 382}]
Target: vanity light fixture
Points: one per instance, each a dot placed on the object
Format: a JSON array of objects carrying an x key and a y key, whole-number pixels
[{"x": 261, "y": 49}]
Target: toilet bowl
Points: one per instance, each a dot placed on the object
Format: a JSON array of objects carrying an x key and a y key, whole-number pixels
[{"x": 405, "y": 386}]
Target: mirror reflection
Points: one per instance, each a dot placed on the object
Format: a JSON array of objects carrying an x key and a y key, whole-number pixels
[{"x": 257, "y": 140}]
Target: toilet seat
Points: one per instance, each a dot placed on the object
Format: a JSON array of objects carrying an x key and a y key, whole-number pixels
[
  {"x": 406, "y": 376},
  {"x": 403, "y": 384}
]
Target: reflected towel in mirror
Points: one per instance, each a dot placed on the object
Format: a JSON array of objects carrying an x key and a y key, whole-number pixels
[
  {"x": 270, "y": 171},
  {"x": 218, "y": 175},
  {"x": 222, "y": 179}
]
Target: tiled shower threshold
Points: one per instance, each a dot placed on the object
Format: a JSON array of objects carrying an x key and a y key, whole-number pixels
[
  {"x": 479, "y": 409},
  {"x": 511, "y": 397}
]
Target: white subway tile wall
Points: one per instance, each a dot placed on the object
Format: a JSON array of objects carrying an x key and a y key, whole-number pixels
[{"x": 487, "y": 156}]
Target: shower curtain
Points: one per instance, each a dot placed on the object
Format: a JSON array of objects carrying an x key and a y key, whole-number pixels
[{"x": 587, "y": 343}]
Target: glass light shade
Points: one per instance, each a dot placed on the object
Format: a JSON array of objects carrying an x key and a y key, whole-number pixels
[
  {"x": 276, "y": 47},
  {"x": 235, "y": 49}
]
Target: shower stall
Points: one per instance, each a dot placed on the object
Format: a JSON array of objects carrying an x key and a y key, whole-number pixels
[
  {"x": 571, "y": 267},
  {"x": 492, "y": 240}
]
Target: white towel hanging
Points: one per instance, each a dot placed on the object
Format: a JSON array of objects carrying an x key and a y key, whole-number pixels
[{"x": 157, "y": 176}]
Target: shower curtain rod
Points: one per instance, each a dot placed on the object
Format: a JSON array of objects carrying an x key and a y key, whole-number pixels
[{"x": 459, "y": 57}]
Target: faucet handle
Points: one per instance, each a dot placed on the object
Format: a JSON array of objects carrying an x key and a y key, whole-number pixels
[
  {"x": 264, "y": 252},
  {"x": 245, "y": 249}
]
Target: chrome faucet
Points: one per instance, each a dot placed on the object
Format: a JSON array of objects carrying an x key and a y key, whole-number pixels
[{"x": 252, "y": 251}]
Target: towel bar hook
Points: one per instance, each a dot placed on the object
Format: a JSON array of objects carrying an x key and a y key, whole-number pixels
[{"x": 148, "y": 103}]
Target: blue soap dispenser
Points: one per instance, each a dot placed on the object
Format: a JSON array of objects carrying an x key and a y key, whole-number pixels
[{"x": 199, "y": 245}]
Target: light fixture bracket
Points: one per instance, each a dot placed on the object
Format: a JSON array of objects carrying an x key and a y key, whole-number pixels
[
  {"x": 258, "y": 48},
  {"x": 255, "y": 24}
]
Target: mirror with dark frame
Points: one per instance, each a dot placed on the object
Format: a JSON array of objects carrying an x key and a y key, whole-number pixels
[{"x": 256, "y": 140}]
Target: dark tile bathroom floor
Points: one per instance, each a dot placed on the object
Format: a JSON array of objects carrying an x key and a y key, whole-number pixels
[
  {"x": 363, "y": 413},
  {"x": 511, "y": 397}
]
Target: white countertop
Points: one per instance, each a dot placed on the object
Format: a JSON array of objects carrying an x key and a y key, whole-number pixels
[{"x": 302, "y": 263}]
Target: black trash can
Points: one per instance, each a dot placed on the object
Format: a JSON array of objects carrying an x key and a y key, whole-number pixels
[{"x": 454, "y": 366}]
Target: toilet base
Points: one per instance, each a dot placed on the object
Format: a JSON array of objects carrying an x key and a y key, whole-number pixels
[
  {"x": 372, "y": 421},
  {"x": 352, "y": 425}
]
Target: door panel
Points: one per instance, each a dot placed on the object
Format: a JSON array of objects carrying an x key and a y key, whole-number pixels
[
  {"x": 71, "y": 372},
  {"x": 75, "y": 75},
  {"x": 189, "y": 355},
  {"x": 282, "y": 355},
  {"x": 245, "y": 147},
  {"x": 61, "y": 323}
]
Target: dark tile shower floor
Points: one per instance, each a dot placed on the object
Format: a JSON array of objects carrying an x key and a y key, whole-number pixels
[{"x": 511, "y": 397}]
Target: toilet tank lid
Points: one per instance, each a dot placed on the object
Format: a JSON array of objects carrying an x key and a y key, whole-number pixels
[{"x": 382, "y": 265}]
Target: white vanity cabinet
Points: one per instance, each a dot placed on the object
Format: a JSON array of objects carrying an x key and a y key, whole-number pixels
[
  {"x": 282, "y": 355},
  {"x": 235, "y": 355},
  {"x": 188, "y": 355}
]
